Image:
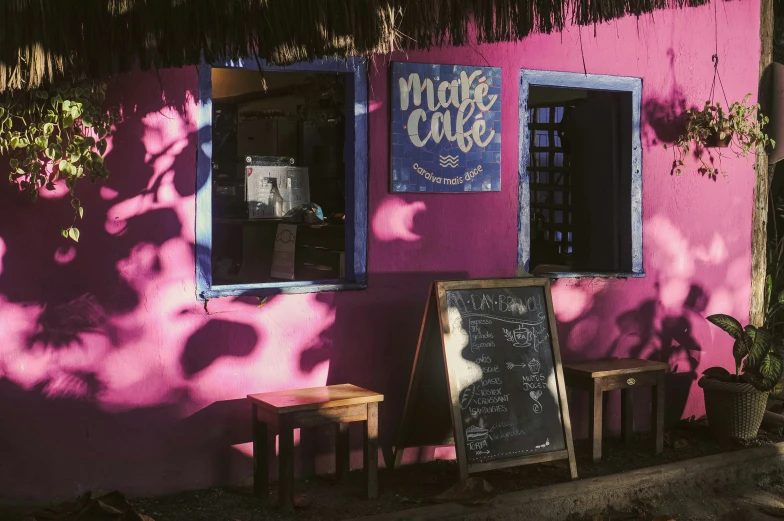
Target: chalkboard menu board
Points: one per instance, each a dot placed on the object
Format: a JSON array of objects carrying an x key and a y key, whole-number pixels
[{"x": 491, "y": 347}]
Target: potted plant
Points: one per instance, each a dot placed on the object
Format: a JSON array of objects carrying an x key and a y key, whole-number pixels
[
  {"x": 735, "y": 403},
  {"x": 739, "y": 129}
]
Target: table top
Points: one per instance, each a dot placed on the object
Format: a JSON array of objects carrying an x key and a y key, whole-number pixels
[
  {"x": 315, "y": 398},
  {"x": 598, "y": 368}
]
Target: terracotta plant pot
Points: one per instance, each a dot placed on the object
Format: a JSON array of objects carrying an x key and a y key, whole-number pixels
[
  {"x": 734, "y": 409},
  {"x": 714, "y": 140}
]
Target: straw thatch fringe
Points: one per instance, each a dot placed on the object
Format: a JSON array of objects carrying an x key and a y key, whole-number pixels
[{"x": 44, "y": 40}]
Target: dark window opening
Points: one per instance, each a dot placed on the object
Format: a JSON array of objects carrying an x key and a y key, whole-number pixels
[
  {"x": 580, "y": 180},
  {"x": 279, "y": 176}
]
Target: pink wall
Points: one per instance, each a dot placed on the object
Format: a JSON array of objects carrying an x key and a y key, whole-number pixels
[{"x": 113, "y": 375}]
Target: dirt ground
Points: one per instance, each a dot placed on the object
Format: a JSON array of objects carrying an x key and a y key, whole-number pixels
[
  {"x": 320, "y": 498},
  {"x": 754, "y": 502}
]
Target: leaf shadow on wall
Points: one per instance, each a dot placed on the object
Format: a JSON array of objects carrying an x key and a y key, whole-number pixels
[
  {"x": 81, "y": 292},
  {"x": 648, "y": 331},
  {"x": 676, "y": 344},
  {"x": 87, "y": 416},
  {"x": 202, "y": 350}
]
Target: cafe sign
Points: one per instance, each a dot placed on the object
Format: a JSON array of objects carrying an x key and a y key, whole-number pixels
[{"x": 446, "y": 128}]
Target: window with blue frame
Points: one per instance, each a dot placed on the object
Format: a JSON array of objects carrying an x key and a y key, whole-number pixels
[
  {"x": 282, "y": 178},
  {"x": 580, "y": 175}
]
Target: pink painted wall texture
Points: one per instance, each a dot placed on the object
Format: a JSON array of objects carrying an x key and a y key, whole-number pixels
[{"x": 113, "y": 375}]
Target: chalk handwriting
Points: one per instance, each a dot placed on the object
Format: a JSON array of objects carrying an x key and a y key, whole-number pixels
[
  {"x": 499, "y": 425},
  {"x": 534, "y": 381},
  {"x": 475, "y": 411},
  {"x": 484, "y": 359},
  {"x": 477, "y": 445},
  {"x": 492, "y": 400},
  {"x": 513, "y": 433},
  {"x": 482, "y": 302},
  {"x": 514, "y": 305},
  {"x": 455, "y": 300},
  {"x": 478, "y": 335}
]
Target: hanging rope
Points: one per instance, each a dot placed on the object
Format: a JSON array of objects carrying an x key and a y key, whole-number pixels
[
  {"x": 717, "y": 76},
  {"x": 715, "y": 59}
]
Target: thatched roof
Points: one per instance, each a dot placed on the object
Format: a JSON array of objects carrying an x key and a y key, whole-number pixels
[{"x": 44, "y": 40}]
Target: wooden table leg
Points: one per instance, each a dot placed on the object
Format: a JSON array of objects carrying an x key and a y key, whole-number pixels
[
  {"x": 371, "y": 450},
  {"x": 657, "y": 421},
  {"x": 342, "y": 452},
  {"x": 286, "y": 465},
  {"x": 627, "y": 414},
  {"x": 260, "y": 456},
  {"x": 596, "y": 424},
  {"x": 308, "y": 448}
]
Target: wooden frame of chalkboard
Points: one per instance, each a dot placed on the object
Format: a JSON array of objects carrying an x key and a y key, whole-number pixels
[{"x": 494, "y": 382}]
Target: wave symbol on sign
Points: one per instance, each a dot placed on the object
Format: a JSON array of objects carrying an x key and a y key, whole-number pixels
[{"x": 448, "y": 161}]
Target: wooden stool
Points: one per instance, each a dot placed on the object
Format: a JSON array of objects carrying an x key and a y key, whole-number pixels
[
  {"x": 285, "y": 411},
  {"x": 626, "y": 373}
]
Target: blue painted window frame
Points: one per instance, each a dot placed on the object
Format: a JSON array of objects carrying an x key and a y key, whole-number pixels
[
  {"x": 356, "y": 183},
  {"x": 539, "y": 78}
]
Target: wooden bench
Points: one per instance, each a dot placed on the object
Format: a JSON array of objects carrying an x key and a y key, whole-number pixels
[
  {"x": 284, "y": 411},
  {"x": 599, "y": 376}
]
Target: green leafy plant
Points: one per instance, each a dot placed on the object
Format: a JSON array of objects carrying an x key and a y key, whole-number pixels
[
  {"x": 53, "y": 133},
  {"x": 757, "y": 353},
  {"x": 740, "y": 129}
]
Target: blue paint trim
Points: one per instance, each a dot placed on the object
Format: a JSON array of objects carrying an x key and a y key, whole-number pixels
[
  {"x": 590, "y": 82},
  {"x": 356, "y": 174},
  {"x": 204, "y": 183},
  {"x": 589, "y": 275},
  {"x": 280, "y": 288},
  {"x": 360, "y": 171}
]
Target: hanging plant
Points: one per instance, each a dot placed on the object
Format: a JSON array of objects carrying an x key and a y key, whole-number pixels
[
  {"x": 739, "y": 129},
  {"x": 53, "y": 133}
]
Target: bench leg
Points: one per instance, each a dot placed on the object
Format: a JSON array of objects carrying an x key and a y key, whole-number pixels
[
  {"x": 286, "y": 466},
  {"x": 627, "y": 414},
  {"x": 657, "y": 393},
  {"x": 260, "y": 456},
  {"x": 371, "y": 450},
  {"x": 596, "y": 424},
  {"x": 342, "y": 452}
]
